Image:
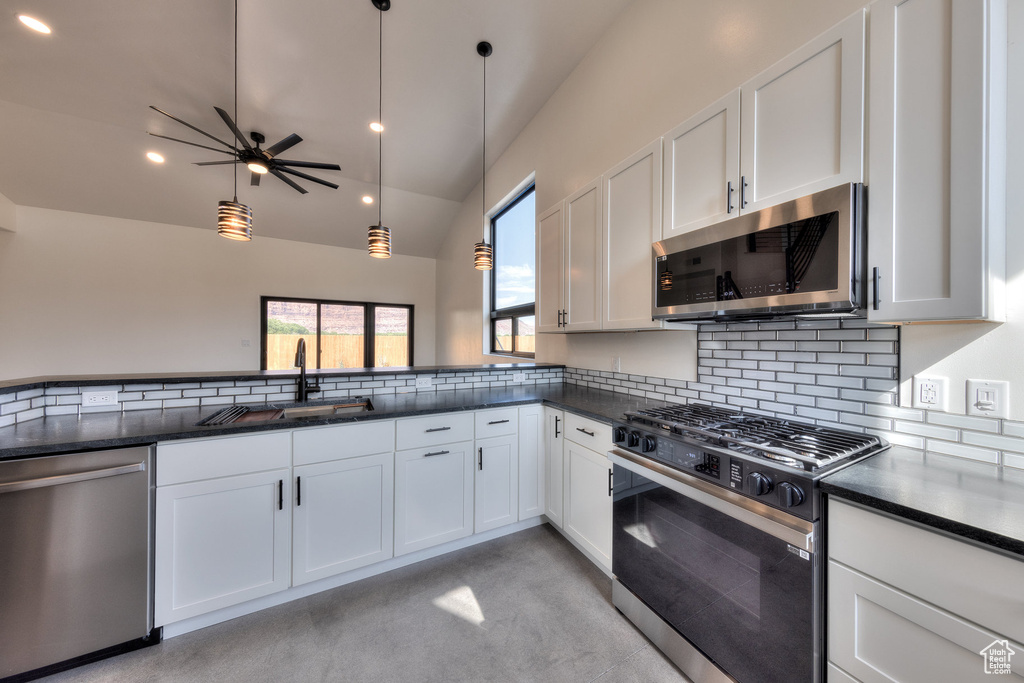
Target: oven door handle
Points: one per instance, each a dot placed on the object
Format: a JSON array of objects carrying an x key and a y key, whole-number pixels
[{"x": 785, "y": 527}]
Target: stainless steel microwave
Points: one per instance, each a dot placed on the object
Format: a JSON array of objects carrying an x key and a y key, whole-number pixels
[{"x": 804, "y": 257}]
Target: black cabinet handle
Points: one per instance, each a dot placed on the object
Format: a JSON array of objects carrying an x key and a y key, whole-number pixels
[
  {"x": 557, "y": 419},
  {"x": 743, "y": 191},
  {"x": 438, "y": 429},
  {"x": 728, "y": 197},
  {"x": 559, "y": 318},
  {"x": 581, "y": 429},
  {"x": 298, "y": 491},
  {"x": 610, "y": 482},
  {"x": 427, "y": 455},
  {"x": 876, "y": 298},
  {"x": 497, "y": 422},
  {"x": 481, "y": 459},
  {"x": 565, "y": 318},
  {"x": 280, "y": 494}
]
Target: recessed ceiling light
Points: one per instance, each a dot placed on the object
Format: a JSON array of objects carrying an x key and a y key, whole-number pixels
[
  {"x": 34, "y": 23},
  {"x": 367, "y": 199},
  {"x": 155, "y": 157},
  {"x": 377, "y": 127}
]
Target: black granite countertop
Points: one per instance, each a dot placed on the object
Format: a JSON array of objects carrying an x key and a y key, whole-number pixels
[
  {"x": 65, "y": 433},
  {"x": 973, "y": 500},
  {"x": 11, "y": 385}
]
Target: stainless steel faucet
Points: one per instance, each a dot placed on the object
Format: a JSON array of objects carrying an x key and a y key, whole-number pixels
[{"x": 304, "y": 389}]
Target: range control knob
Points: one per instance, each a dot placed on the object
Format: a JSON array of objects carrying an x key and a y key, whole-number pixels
[
  {"x": 790, "y": 495},
  {"x": 619, "y": 434},
  {"x": 759, "y": 483},
  {"x": 633, "y": 440},
  {"x": 648, "y": 444}
]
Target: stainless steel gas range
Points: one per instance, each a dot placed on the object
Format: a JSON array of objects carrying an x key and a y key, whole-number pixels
[{"x": 716, "y": 546}]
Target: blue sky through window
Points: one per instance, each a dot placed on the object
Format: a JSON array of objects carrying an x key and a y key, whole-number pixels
[{"x": 514, "y": 255}]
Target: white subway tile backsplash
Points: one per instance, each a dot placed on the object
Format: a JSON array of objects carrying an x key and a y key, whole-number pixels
[
  {"x": 1013, "y": 429},
  {"x": 29, "y": 394},
  {"x": 961, "y": 451},
  {"x": 931, "y": 431},
  {"x": 31, "y": 414},
  {"x": 1003, "y": 443},
  {"x": 977, "y": 424}
]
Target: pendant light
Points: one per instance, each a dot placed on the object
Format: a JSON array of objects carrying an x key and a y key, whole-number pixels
[
  {"x": 378, "y": 236},
  {"x": 483, "y": 253},
  {"x": 234, "y": 220}
]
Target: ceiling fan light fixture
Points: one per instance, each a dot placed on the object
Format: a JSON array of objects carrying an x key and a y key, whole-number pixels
[
  {"x": 258, "y": 167},
  {"x": 377, "y": 127},
  {"x": 379, "y": 241},
  {"x": 155, "y": 157},
  {"x": 367, "y": 199},
  {"x": 234, "y": 221},
  {"x": 34, "y": 24}
]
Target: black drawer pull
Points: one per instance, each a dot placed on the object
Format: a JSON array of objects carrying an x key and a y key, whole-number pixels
[
  {"x": 610, "y": 482},
  {"x": 557, "y": 420},
  {"x": 427, "y": 455},
  {"x": 581, "y": 429},
  {"x": 481, "y": 459},
  {"x": 280, "y": 494},
  {"x": 497, "y": 422},
  {"x": 876, "y": 296},
  {"x": 438, "y": 429},
  {"x": 298, "y": 491}
]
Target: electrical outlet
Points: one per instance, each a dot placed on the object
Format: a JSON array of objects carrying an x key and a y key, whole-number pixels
[
  {"x": 246, "y": 343},
  {"x": 616, "y": 364},
  {"x": 931, "y": 392},
  {"x": 990, "y": 398},
  {"x": 518, "y": 376},
  {"x": 99, "y": 398},
  {"x": 423, "y": 382}
]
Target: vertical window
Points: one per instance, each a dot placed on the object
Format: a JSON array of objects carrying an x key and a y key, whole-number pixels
[
  {"x": 513, "y": 277},
  {"x": 338, "y": 334}
]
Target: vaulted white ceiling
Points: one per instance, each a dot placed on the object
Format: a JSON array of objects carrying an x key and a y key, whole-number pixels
[{"x": 74, "y": 105}]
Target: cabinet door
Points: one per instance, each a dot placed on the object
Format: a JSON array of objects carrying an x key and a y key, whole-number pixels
[
  {"x": 532, "y": 461},
  {"x": 497, "y": 483},
  {"x": 343, "y": 517},
  {"x": 803, "y": 120},
  {"x": 554, "y": 427},
  {"x": 550, "y": 239},
  {"x": 702, "y": 168},
  {"x": 221, "y": 542},
  {"x": 587, "y": 502},
  {"x": 937, "y": 196},
  {"x": 433, "y": 495},
  {"x": 582, "y": 273},
  {"x": 632, "y": 221}
]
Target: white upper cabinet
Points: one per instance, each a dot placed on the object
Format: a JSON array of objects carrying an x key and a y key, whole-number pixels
[
  {"x": 632, "y": 220},
  {"x": 550, "y": 264},
  {"x": 802, "y": 120},
  {"x": 936, "y": 209},
  {"x": 581, "y": 288},
  {"x": 702, "y": 168}
]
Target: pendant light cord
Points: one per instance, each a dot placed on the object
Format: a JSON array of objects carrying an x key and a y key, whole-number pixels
[
  {"x": 380, "y": 117},
  {"x": 483, "y": 160},
  {"x": 235, "y": 147}
]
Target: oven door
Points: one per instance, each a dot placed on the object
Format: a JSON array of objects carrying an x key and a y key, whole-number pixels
[{"x": 735, "y": 578}]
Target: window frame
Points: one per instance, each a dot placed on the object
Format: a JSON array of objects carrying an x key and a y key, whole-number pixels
[
  {"x": 513, "y": 313},
  {"x": 369, "y": 334}
]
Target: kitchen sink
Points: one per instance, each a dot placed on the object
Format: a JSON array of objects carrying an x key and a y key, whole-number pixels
[{"x": 233, "y": 414}]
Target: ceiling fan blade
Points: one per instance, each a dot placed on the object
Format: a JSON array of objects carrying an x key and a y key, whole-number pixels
[
  {"x": 186, "y": 142},
  {"x": 281, "y": 146},
  {"x": 185, "y": 123},
  {"x": 289, "y": 181},
  {"x": 307, "y": 164},
  {"x": 214, "y": 163},
  {"x": 254, "y": 178},
  {"x": 308, "y": 177},
  {"x": 234, "y": 128}
]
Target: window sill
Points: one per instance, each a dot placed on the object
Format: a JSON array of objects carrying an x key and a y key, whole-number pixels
[{"x": 516, "y": 356}]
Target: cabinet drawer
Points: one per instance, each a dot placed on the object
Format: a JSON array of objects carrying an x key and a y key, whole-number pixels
[
  {"x": 321, "y": 444},
  {"x": 417, "y": 432},
  {"x": 497, "y": 422},
  {"x": 182, "y": 461},
  {"x": 595, "y": 435},
  {"x": 980, "y": 585}
]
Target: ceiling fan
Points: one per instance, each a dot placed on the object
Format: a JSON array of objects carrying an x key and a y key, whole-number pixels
[{"x": 260, "y": 161}]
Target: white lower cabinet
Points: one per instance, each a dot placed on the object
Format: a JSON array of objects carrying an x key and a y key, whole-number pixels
[
  {"x": 554, "y": 430},
  {"x": 587, "y": 501},
  {"x": 496, "y": 483},
  {"x": 433, "y": 495},
  {"x": 912, "y": 605},
  {"x": 532, "y": 461}
]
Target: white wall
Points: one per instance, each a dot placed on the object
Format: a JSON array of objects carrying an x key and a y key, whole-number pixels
[
  {"x": 86, "y": 294},
  {"x": 662, "y": 61}
]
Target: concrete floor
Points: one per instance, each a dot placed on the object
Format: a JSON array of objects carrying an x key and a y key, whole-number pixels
[{"x": 525, "y": 607}]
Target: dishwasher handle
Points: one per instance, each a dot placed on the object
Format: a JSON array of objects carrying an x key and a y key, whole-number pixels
[{"x": 56, "y": 480}]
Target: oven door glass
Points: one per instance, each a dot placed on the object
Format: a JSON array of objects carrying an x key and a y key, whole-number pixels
[{"x": 740, "y": 595}]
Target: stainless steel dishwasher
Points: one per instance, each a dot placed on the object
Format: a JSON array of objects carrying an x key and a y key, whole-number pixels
[{"x": 75, "y": 558}]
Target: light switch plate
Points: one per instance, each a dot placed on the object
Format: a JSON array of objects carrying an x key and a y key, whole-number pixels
[
  {"x": 990, "y": 398},
  {"x": 931, "y": 392}
]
